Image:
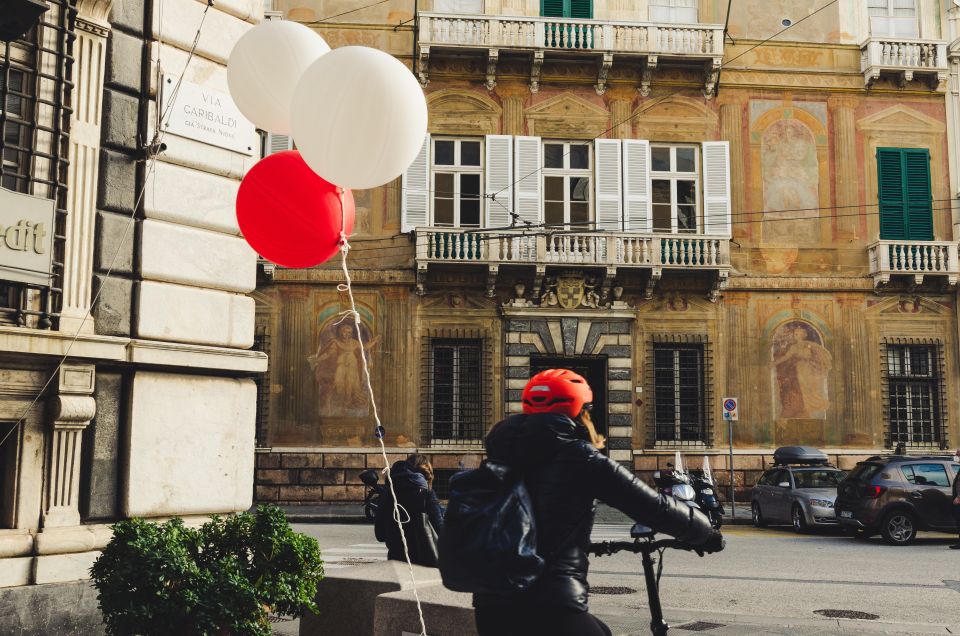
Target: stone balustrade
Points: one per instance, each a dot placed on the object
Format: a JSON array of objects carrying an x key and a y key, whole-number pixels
[
  {"x": 913, "y": 258},
  {"x": 906, "y": 58}
]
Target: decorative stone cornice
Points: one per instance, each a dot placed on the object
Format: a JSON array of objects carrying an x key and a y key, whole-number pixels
[{"x": 93, "y": 28}]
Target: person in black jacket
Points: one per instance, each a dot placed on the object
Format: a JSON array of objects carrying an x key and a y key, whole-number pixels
[
  {"x": 555, "y": 446},
  {"x": 412, "y": 481}
]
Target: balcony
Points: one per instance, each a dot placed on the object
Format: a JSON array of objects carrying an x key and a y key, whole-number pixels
[
  {"x": 608, "y": 250},
  {"x": 918, "y": 259},
  {"x": 533, "y": 37},
  {"x": 905, "y": 58}
]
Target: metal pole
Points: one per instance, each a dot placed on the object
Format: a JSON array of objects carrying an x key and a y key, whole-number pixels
[{"x": 733, "y": 504}]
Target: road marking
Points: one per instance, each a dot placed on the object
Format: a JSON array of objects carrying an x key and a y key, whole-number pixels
[{"x": 717, "y": 577}]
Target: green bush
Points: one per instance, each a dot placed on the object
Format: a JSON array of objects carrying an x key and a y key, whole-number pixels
[{"x": 223, "y": 578}]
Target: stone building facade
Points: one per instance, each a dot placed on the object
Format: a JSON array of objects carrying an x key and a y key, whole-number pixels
[
  {"x": 681, "y": 213},
  {"x": 125, "y": 374}
]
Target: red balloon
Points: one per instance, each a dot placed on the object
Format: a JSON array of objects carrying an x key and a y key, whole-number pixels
[{"x": 289, "y": 215}]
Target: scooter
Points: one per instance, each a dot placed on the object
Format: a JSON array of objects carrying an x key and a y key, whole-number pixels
[
  {"x": 673, "y": 481},
  {"x": 644, "y": 544},
  {"x": 706, "y": 497},
  {"x": 371, "y": 502}
]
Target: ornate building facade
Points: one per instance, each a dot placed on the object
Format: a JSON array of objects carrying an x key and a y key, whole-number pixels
[{"x": 653, "y": 194}]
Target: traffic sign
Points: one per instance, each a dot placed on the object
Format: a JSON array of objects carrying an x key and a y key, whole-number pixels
[{"x": 731, "y": 408}]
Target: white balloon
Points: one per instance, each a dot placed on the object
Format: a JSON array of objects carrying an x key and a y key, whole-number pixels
[
  {"x": 359, "y": 117},
  {"x": 265, "y": 67}
]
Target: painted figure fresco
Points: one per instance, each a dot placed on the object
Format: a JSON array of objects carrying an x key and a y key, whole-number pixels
[
  {"x": 800, "y": 366},
  {"x": 791, "y": 180},
  {"x": 338, "y": 368}
]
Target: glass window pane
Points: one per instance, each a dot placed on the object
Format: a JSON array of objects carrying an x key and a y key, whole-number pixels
[
  {"x": 580, "y": 215},
  {"x": 686, "y": 218},
  {"x": 469, "y": 212},
  {"x": 442, "y": 211},
  {"x": 443, "y": 184},
  {"x": 579, "y": 157},
  {"x": 470, "y": 186},
  {"x": 579, "y": 188},
  {"x": 686, "y": 191},
  {"x": 553, "y": 155},
  {"x": 553, "y": 188},
  {"x": 661, "y": 218},
  {"x": 553, "y": 213},
  {"x": 443, "y": 152},
  {"x": 660, "y": 157},
  {"x": 469, "y": 153},
  {"x": 686, "y": 159},
  {"x": 661, "y": 191}
]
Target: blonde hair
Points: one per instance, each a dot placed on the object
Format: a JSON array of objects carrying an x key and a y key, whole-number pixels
[{"x": 598, "y": 440}]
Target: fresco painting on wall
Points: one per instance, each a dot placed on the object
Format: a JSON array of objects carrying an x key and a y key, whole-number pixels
[
  {"x": 338, "y": 368},
  {"x": 800, "y": 366},
  {"x": 791, "y": 181}
]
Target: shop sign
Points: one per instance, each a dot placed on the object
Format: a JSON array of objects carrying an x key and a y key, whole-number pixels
[{"x": 26, "y": 238}]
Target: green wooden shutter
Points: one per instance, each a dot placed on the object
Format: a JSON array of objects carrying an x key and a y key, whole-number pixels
[
  {"x": 551, "y": 8},
  {"x": 890, "y": 186},
  {"x": 581, "y": 9},
  {"x": 919, "y": 199}
]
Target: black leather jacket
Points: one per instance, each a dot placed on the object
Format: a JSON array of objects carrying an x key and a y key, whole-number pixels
[{"x": 564, "y": 474}]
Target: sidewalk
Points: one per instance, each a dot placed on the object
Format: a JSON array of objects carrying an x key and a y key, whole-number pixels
[{"x": 353, "y": 513}]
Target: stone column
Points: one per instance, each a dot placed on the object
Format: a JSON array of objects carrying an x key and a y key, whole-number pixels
[
  {"x": 731, "y": 129},
  {"x": 513, "y": 98},
  {"x": 842, "y": 112},
  {"x": 620, "y": 105},
  {"x": 92, "y": 29},
  {"x": 72, "y": 408}
]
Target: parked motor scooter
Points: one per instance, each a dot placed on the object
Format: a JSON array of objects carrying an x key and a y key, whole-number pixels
[
  {"x": 706, "y": 494},
  {"x": 674, "y": 481},
  {"x": 375, "y": 491}
]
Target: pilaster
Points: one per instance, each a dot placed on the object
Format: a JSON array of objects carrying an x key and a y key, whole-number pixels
[
  {"x": 842, "y": 111},
  {"x": 513, "y": 98},
  {"x": 71, "y": 410},
  {"x": 92, "y": 30},
  {"x": 731, "y": 129},
  {"x": 621, "y": 105}
]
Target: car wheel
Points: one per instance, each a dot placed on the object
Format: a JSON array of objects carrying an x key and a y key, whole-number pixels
[
  {"x": 899, "y": 528},
  {"x": 758, "y": 521},
  {"x": 799, "y": 519}
]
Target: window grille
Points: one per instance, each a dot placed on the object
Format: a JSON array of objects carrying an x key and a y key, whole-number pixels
[
  {"x": 680, "y": 368},
  {"x": 914, "y": 394},
  {"x": 456, "y": 407},
  {"x": 261, "y": 342},
  {"x": 35, "y": 91}
]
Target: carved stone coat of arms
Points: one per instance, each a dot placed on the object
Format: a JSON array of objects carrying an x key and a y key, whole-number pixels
[{"x": 570, "y": 290}]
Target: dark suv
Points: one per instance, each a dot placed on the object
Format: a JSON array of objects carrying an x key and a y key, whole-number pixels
[{"x": 898, "y": 496}]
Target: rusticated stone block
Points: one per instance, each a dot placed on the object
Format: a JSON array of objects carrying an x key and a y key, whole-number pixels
[
  {"x": 301, "y": 494},
  {"x": 343, "y": 493},
  {"x": 301, "y": 460},
  {"x": 645, "y": 462},
  {"x": 321, "y": 476},
  {"x": 343, "y": 460},
  {"x": 268, "y": 460},
  {"x": 275, "y": 476},
  {"x": 266, "y": 494},
  {"x": 351, "y": 476},
  {"x": 375, "y": 460}
]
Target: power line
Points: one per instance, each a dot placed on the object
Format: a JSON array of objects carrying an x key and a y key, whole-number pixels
[{"x": 331, "y": 17}]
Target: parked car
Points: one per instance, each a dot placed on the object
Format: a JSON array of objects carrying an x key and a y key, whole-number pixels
[
  {"x": 800, "y": 490},
  {"x": 898, "y": 496}
]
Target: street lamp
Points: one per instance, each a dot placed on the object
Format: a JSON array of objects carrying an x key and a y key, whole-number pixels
[{"x": 18, "y": 16}]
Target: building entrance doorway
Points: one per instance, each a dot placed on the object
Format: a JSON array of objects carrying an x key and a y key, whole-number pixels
[{"x": 593, "y": 368}]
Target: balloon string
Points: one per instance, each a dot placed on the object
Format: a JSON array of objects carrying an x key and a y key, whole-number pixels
[{"x": 348, "y": 287}]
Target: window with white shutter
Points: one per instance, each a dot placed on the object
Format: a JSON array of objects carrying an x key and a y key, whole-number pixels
[
  {"x": 893, "y": 18},
  {"x": 609, "y": 184},
  {"x": 456, "y": 175},
  {"x": 636, "y": 185},
  {"x": 716, "y": 188},
  {"x": 276, "y": 143},
  {"x": 566, "y": 184},
  {"x": 499, "y": 180},
  {"x": 528, "y": 199},
  {"x": 674, "y": 188},
  {"x": 416, "y": 196},
  {"x": 674, "y": 11}
]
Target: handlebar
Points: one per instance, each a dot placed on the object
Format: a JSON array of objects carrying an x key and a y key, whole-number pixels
[{"x": 605, "y": 548}]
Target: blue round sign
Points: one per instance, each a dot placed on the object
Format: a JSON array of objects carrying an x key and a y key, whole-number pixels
[{"x": 729, "y": 405}]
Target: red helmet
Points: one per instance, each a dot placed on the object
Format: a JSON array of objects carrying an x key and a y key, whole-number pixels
[{"x": 556, "y": 391}]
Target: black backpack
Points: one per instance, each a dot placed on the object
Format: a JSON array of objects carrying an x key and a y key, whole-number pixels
[{"x": 489, "y": 538}]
